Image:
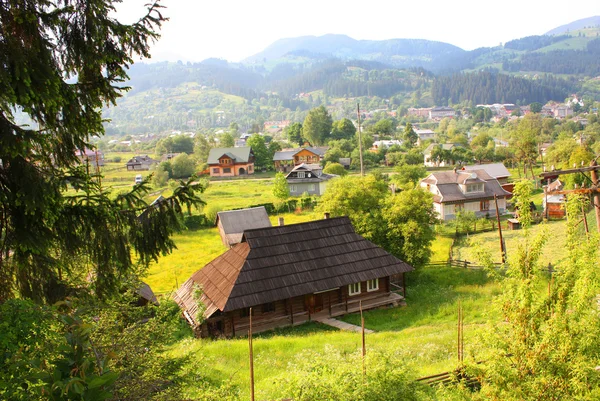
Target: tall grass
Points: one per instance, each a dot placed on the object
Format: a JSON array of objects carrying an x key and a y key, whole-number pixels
[{"x": 423, "y": 333}]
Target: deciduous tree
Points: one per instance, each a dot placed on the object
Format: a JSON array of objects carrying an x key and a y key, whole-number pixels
[{"x": 317, "y": 126}]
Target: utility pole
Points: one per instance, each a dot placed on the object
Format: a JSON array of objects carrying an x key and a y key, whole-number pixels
[{"x": 360, "y": 151}]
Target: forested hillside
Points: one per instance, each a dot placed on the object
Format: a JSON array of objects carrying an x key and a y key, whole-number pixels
[{"x": 486, "y": 87}]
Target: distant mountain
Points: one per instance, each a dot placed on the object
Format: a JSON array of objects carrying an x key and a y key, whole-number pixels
[
  {"x": 400, "y": 53},
  {"x": 575, "y": 25}
]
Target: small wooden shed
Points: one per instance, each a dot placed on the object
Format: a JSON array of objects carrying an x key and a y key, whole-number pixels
[
  {"x": 514, "y": 224},
  {"x": 233, "y": 223}
]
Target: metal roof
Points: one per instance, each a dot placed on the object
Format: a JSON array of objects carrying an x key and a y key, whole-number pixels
[{"x": 240, "y": 155}]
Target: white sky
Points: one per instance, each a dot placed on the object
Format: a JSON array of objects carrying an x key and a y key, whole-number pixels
[{"x": 234, "y": 29}]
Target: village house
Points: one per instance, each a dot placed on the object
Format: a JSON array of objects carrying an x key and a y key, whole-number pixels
[
  {"x": 230, "y": 162},
  {"x": 424, "y": 135},
  {"x": 421, "y": 112},
  {"x": 140, "y": 163},
  {"x": 384, "y": 144},
  {"x": 437, "y": 113},
  {"x": 461, "y": 190},
  {"x": 288, "y": 275},
  {"x": 93, "y": 157},
  {"x": 233, "y": 223},
  {"x": 286, "y": 159},
  {"x": 308, "y": 178}
]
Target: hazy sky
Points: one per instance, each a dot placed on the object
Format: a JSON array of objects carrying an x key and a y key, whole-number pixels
[{"x": 234, "y": 30}]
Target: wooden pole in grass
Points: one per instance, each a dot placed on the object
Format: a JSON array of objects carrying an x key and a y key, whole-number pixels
[
  {"x": 251, "y": 359},
  {"x": 502, "y": 249},
  {"x": 364, "y": 348}
]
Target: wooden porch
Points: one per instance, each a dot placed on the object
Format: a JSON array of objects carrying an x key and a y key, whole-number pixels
[{"x": 350, "y": 305}]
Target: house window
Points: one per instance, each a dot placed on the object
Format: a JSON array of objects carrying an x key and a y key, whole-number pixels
[
  {"x": 226, "y": 170},
  {"x": 215, "y": 171},
  {"x": 268, "y": 307},
  {"x": 301, "y": 174},
  {"x": 474, "y": 188},
  {"x": 293, "y": 188},
  {"x": 459, "y": 207},
  {"x": 244, "y": 312},
  {"x": 249, "y": 168},
  {"x": 484, "y": 205},
  {"x": 354, "y": 289},
  {"x": 372, "y": 285},
  {"x": 311, "y": 187}
]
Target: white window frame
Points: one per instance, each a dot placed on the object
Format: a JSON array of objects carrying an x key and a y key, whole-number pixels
[
  {"x": 293, "y": 188},
  {"x": 354, "y": 289},
  {"x": 301, "y": 174},
  {"x": 372, "y": 285},
  {"x": 311, "y": 187}
]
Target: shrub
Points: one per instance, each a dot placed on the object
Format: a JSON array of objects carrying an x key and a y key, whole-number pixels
[
  {"x": 335, "y": 168},
  {"x": 117, "y": 159}
]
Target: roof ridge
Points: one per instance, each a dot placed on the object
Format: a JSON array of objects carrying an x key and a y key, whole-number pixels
[{"x": 299, "y": 224}]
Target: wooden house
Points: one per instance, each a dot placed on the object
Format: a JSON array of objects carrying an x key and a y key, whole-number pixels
[
  {"x": 233, "y": 223},
  {"x": 285, "y": 160},
  {"x": 231, "y": 162},
  {"x": 140, "y": 163},
  {"x": 289, "y": 275}
]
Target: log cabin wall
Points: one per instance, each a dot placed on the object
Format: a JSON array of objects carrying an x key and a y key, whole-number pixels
[{"x": 279, "y": 314}]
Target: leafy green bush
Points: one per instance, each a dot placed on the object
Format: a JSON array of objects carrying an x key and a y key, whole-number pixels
[
  {"x": 197, "y": 222},
  {"x": 332, "y": 375},
  {"x": 117, "y": 159}
]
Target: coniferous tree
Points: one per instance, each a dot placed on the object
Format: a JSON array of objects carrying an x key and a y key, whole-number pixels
[{"x": 61, "y": 62}]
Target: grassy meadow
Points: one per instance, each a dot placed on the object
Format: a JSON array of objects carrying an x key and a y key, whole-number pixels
[{"x": 423, "y": 332}]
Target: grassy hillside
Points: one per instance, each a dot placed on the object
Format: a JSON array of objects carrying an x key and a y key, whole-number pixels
[{"x": 423, "y": 333}]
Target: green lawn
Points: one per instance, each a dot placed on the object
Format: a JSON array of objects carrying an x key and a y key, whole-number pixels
[{"x": 424, "y": 333}]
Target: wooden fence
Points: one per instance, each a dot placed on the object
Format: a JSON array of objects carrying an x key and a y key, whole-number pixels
[{"x": 465, "y": 264}]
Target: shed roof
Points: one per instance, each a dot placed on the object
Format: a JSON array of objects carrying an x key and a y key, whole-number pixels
[
  {"x": 234, "y": 222},
  {"x": 240, "y": 155},
  {"x": 281, "y": 262}
]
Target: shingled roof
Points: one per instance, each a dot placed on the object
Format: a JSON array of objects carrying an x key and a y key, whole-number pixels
[
  {"x": 233, "y": 223},
  {"x": 282, "y": 262}
]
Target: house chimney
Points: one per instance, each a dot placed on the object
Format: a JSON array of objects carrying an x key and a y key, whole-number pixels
[
  {"x": 280, "y": 221},
  {"x": 326, "y": 215}
]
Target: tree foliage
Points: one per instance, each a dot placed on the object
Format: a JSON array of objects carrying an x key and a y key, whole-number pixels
[
  {"x": 335, "y": 168},
  {"x": 263, "y": 158},
  {"x": 281, "y": 189},
  {"x": 546, "y": 344},
  {"x": 317, "y": 126},
  {"x": 401, "y": 224},
  {"x": 61, "y": 63}
]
